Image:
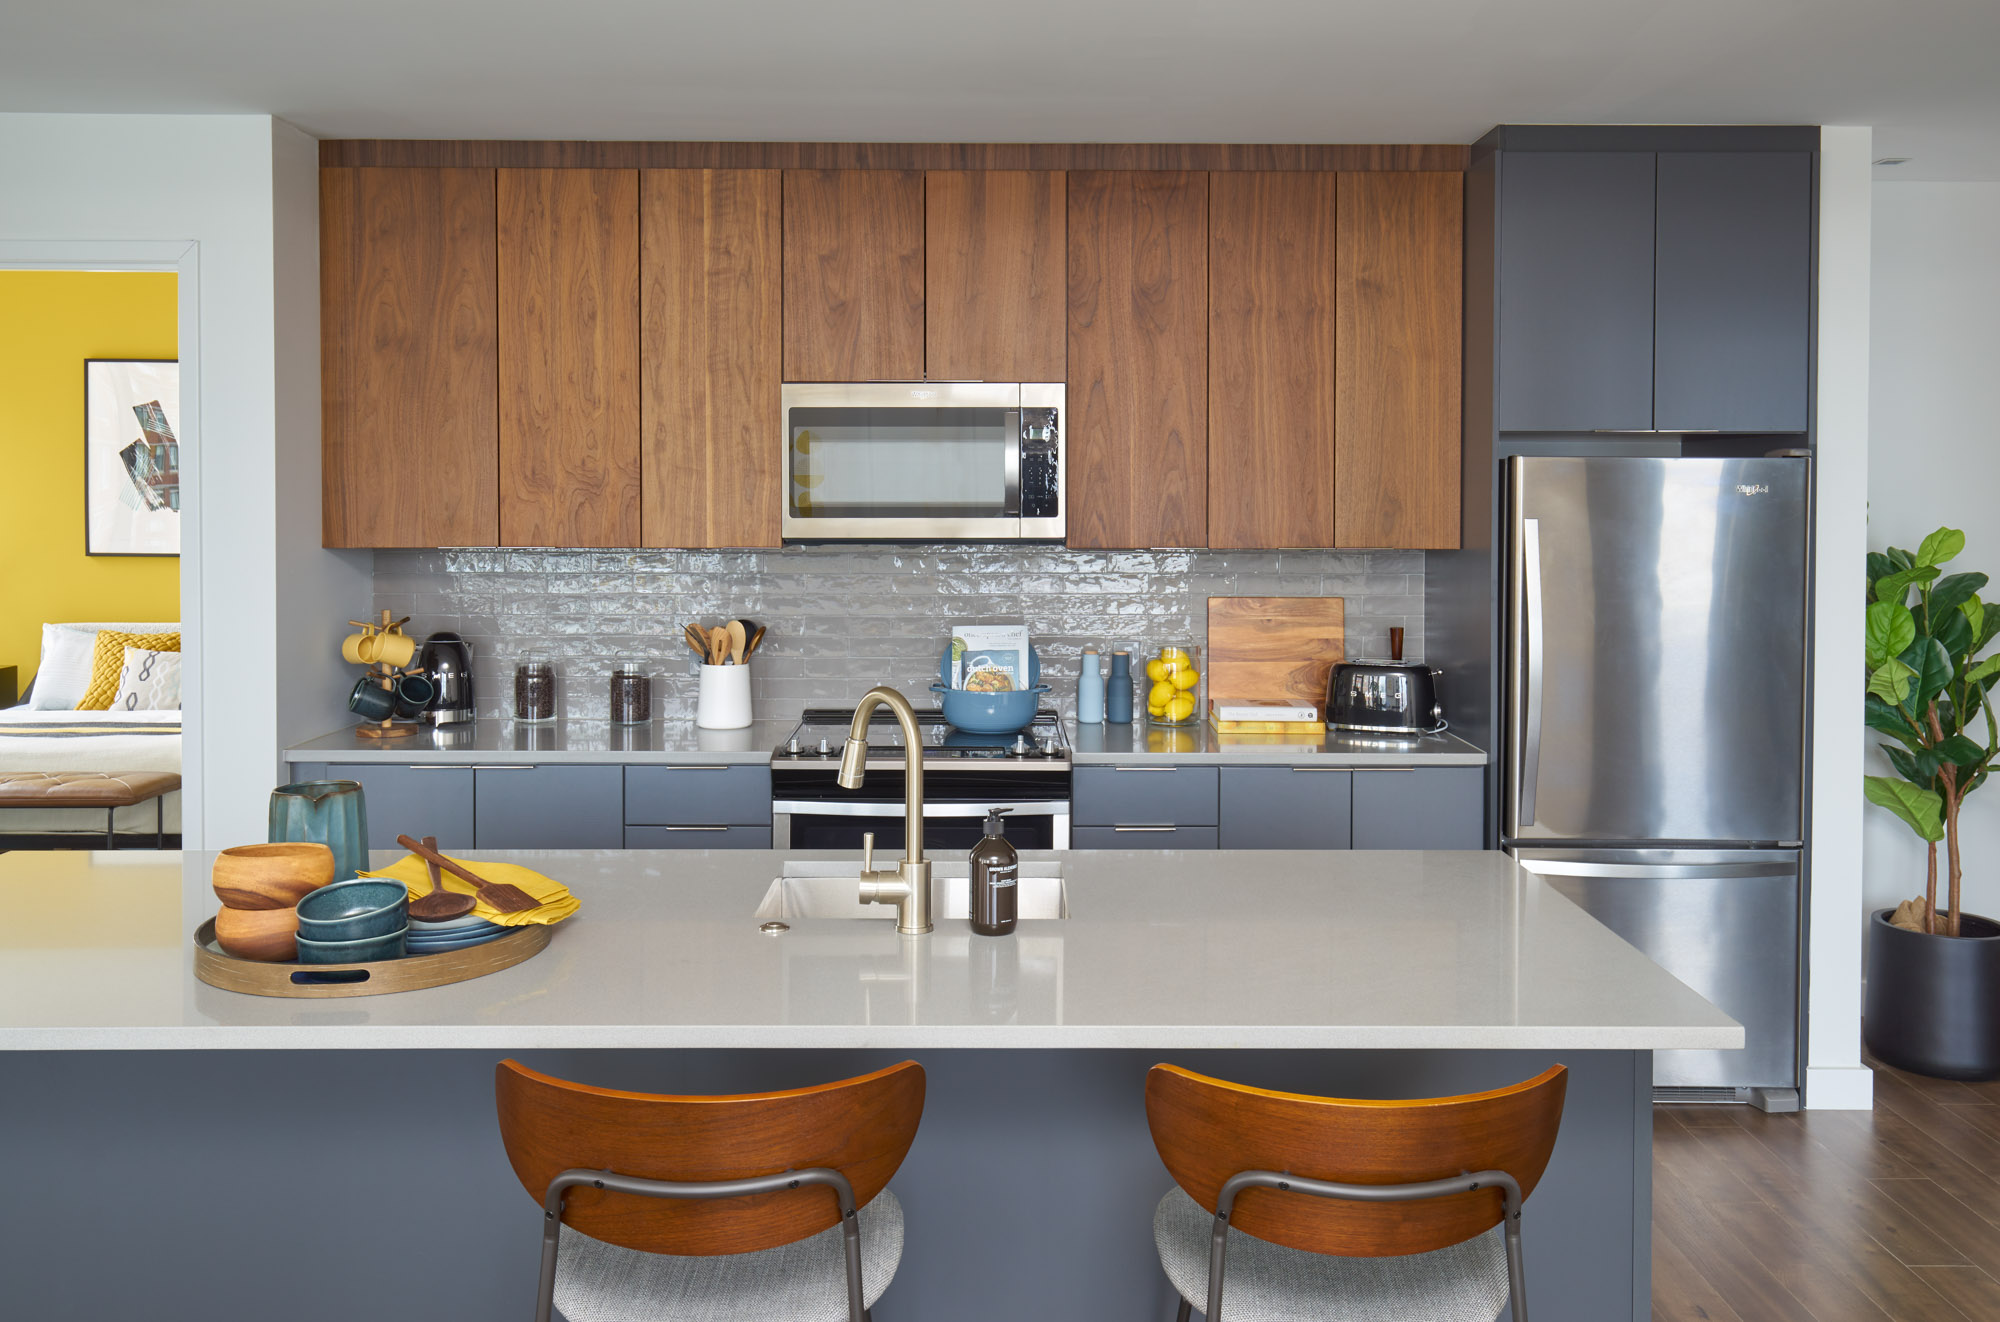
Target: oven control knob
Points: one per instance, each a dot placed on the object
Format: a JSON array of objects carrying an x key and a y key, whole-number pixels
[
  {"x": 1020, "y": 748},
  {"x": 792, "y": 746},
  {"x": 825, "y": 749}
]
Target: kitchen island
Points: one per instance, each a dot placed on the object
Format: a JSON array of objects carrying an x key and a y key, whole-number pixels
[{"x": 277, "y": 1143}]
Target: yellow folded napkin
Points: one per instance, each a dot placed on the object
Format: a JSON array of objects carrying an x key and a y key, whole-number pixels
[{"x": 556, "y": 901}]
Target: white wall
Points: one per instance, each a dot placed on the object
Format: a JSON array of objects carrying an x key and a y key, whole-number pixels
[
  {"x": 1835, "y": 1077},
  {"x": 232, "y": 196},
  {"x": 1936, "y": 453}
]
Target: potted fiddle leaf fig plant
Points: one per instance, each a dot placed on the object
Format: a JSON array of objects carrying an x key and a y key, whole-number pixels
[{"x": 1933, "y": 999}]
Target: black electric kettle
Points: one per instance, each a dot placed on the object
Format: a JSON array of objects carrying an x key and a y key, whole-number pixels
[{"x": 1385, "y": 697}]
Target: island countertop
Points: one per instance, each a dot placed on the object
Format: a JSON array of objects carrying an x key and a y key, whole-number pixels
[{"x": 1161, "y": 950}]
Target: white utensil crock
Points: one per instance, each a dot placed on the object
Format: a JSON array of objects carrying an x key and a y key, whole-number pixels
[{"x": 724, "y": 700}]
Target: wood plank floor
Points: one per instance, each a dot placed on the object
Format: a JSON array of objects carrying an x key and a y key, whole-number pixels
[{"x": 1831, "y": 1216}]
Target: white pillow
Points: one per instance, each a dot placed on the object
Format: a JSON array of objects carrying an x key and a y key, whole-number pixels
[
  {"x": 62, "y": 676},
  {"x": 150, "y": 681}
]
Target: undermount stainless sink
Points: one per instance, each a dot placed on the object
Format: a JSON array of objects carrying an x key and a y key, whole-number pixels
[{"x": 833, "y": 890}]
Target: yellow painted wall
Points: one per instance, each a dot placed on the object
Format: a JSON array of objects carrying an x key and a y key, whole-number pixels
[{"x": 50, "y": 321}]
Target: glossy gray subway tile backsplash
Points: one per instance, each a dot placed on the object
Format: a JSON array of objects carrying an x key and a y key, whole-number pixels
[{"x": 841, "y": 618}]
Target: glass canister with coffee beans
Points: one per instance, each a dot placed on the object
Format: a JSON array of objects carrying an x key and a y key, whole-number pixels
[
  {"x": 535, "y": 689},
  {"x": 631, "y": 692}
]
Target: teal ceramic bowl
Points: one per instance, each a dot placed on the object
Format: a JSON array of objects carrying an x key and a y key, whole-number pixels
[
  {"x": 354, "y": 910},
  {"x": 352, "y": 952}
]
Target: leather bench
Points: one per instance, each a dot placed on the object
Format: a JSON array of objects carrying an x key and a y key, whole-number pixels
[{"x": 109, "y": 790}]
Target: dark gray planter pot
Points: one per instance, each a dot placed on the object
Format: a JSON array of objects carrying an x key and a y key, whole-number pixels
[{"x": 1933, "y": 1004}]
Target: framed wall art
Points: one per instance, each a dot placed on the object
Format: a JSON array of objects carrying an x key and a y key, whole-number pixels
[{"x": 131, "y": 456}]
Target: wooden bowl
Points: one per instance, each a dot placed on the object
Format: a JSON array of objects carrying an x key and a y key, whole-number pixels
[
  {"x": 270, "y": 876},
  {"x": 268, "y": 935}
]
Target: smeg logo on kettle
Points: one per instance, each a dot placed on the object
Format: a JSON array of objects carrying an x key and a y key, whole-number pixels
[{"x": 1753, "y": 489}]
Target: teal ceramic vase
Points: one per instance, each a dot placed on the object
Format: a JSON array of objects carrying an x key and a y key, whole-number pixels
[{"x": 328, "y": 812}]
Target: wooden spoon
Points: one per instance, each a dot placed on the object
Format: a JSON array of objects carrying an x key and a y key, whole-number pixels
[
  {"x": 718, "y": 646},
  {"x": 440, "y": 904},
  {"x": 736, "y": 640},
  {"x": 755, "y": 639},
  {"x": 696, "y": 639},
  {"x": 507, "y": 899}
]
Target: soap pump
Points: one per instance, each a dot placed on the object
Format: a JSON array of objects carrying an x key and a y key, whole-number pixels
[{"x": 996, "y": 871}]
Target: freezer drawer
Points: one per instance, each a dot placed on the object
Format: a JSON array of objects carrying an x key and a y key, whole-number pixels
[{"x": 1725, "y": 922}]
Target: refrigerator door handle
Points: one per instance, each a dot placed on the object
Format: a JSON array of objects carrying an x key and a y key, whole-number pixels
[
  {"x": 1550, "y": 867},
  {"x": 1531, "y": 720}
]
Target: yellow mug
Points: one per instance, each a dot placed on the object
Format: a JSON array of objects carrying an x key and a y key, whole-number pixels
[
  {"x": 352, "y": 649},
  {"x": 393, "y": 649}
]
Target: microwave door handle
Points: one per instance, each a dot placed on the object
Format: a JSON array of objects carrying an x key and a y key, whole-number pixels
[
  {"x": 1531, "y": 602},
  {"x": 1010, "y": 427}
]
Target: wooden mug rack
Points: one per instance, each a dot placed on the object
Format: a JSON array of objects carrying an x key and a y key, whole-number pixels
[{"x": 385, "y": 676}]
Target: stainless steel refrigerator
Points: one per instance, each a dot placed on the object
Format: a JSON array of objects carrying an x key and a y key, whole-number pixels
[{"x": 1655, "y": 693}]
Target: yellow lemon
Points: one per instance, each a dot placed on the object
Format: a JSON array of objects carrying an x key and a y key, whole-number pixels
[
  {"x": 1181, "y": 707},
  {"x": 1173, "y": 654},
  {"x": 1160, "y": 694},
  {"x": 1186, "y": 677},
  {"x": 1156, "y": 671}
]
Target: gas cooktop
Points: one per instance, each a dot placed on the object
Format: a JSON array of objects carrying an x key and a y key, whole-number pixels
[{"x": 823, "y": 732}]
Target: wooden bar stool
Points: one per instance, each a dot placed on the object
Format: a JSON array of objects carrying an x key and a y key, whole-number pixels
[
  {"x": 765, "y": 1205},
  {"x": 1362, "y": 1211}
]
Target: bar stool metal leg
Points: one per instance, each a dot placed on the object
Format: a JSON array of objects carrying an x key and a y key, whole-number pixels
[
  {"x": 110, "y": 840},
  {"x": 160, "y": 822}
]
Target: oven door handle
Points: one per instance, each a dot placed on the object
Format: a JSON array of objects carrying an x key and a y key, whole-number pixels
[{"x": 853, "y": 808}]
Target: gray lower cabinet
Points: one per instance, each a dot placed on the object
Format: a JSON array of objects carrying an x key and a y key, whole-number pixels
[
  {"x": 1146, "y": 795},
  {"x": 1285, "y": 807},
  {"x": 697, "y": 837},
  {"x": 550, "y": 806},
  {"x": 1419, "y": 808},
  {"x": 1142, "y": 837},
  {"x": 698, "y": 796},
  {"x": 412, "y": 799}
]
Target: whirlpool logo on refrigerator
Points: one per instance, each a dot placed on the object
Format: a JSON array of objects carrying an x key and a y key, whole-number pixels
[{"x": 1753, "y": 488}]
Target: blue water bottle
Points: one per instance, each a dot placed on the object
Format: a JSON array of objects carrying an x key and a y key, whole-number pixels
[
  {"x": 1089, "y": 690},
  {"x": 1118, "y": 690}
]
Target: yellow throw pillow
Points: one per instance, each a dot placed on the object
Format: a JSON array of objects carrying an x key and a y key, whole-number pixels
[{"x": 108, "y": 662}]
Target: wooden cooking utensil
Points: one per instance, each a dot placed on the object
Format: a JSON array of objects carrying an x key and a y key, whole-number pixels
[
  {"x": 696, "y": 639},
  {"x": 440, "y": 904},
  {"x": 736, "y": 641},
  {"x": 718, "y": 646},
  {"x": 755, "y": 639},
  {"x": 507, "y": 899}
]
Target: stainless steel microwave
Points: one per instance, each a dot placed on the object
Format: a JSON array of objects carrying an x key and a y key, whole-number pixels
[{"x": 967, "y": 461}]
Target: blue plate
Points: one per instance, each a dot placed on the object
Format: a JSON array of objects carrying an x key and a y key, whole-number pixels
[
  {"x": 432, "y": 946},
  {"x": 465, "y": 926}
]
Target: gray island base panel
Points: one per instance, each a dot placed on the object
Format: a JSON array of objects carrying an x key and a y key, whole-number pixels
[{"x": 310, "y": 1166}]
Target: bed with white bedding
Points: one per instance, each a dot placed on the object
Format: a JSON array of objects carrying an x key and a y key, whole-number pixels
[{"x": 89, "y": 741}]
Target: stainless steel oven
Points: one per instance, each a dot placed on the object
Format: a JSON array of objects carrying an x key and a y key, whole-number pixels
[{"x": 923, "y": 461}]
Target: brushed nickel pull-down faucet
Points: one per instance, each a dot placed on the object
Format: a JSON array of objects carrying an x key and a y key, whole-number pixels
[{"x": 909, "y": 886}]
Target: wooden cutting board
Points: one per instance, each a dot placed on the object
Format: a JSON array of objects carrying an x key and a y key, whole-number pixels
[{"x": 1273, "y": 649}]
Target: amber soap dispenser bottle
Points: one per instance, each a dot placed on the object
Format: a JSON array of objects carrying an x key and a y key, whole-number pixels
[{"x": 996, "y": 871}]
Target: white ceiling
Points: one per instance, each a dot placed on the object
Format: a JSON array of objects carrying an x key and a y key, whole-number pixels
[{"x": 1922, "y": 71}]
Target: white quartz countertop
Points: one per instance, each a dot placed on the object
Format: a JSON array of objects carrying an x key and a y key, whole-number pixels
[
  {"x": 497, "y": 740},
  {"x": 1161, "y": 950},
  {"x": 1140, "y": 743},
  {"x": 491, "y": 741}
]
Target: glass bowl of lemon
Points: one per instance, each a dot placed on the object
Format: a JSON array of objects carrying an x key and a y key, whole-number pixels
[{"x": 1172, "y": 684}]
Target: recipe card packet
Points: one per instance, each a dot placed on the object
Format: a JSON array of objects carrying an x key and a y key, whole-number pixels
[{"x": 990, "y": 658}]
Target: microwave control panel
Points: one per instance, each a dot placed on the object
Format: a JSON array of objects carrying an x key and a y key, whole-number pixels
[{"x": 1039, "y": 469}]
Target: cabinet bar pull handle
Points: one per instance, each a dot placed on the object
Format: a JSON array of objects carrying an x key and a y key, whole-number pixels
[
  {"x": 1145, "y": 828},
  {"x": 697, "y": 828},
  {"x": 1322, "y": 768},
  {"x": 1126, "y": 768},
  {"x": 510, "y": 766},
  {"x": 1385, "y": 768},
  {"x": 717, "y": 767},
  {"x": 440, "y": 766}
]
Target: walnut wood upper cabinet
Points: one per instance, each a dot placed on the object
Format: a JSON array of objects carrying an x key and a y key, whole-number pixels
[
  {"x": 993, "y": 279},
  {"x": 1138, "y": 358},
  {"x": 711, "y": 348},
  {"x": 408, "y": 356},
  {"x": 1398, "y": 353},
  {"x": 854, "y": 275},
  {"x": 1272, "y": 278},
  {"x": 569, "y": 357}
]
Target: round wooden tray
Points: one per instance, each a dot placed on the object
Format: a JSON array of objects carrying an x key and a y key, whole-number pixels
[{"x": 218, "y": 969}]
